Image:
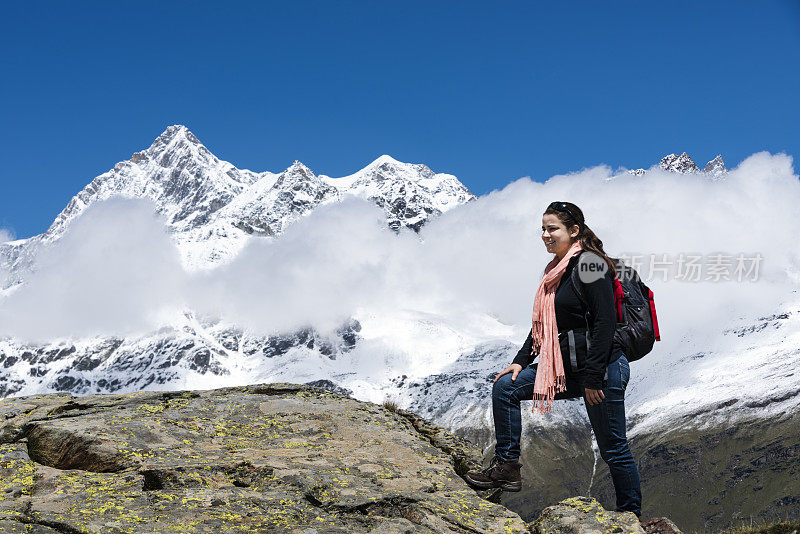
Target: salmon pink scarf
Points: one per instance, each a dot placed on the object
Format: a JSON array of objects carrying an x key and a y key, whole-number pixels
[{"x": 550, "y": 378}]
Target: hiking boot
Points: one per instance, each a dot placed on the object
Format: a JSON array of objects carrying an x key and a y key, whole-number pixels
[{"x": 503, "y": 475}]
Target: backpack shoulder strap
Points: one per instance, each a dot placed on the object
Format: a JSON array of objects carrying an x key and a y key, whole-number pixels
[{"x": 578, "y": 285}]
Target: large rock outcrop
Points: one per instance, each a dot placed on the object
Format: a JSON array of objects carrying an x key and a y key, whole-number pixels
[{"x": 266, "y": 458}]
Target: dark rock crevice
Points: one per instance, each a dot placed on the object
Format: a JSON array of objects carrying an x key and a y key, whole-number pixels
[
  {"x": 62, "y": 449},
  {"x": 276, "y": 389},
  {"x": 27, "y": 517},
  {"x": 53, "y": 526},
  {"x": 389, "y": 506},
  {"x": 240, "y": 475}
]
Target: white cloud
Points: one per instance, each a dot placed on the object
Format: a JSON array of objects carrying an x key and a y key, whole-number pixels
[
  {"x": 319, "y": 270},
  {"x": 116, "y": 270},
  {"x": 113, "y": 272}
]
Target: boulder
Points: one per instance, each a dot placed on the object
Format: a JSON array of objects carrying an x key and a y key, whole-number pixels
[
  {"x": 264, "y": 458},
  {"x": 660, "y": 525},
  {"x": 584, "y": 515}
]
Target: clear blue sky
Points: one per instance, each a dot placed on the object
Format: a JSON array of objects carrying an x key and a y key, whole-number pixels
[{"x": 487, "y": 91}]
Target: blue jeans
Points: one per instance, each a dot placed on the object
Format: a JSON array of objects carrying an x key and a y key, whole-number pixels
[{"x": 607, "y": 420}]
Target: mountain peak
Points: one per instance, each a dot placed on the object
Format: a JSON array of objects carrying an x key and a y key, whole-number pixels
[
  {"x": 176, "y": 135},
  {"x": 299, "y": 167},
  {"x": 716, "y": 166},
  {"x": 385, "y": 158},
  {"x": 177, "y": 146},
  {"x": 175, "y": 131},
  {"x": 682, "y": 164}
]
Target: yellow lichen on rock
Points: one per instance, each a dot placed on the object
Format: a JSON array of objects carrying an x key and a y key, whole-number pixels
[
  {"x": 267, "y": 458},
  {"x": 584, "y": 515}
]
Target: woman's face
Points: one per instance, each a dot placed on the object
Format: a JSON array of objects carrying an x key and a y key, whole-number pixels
[{"x": 557, "y": 239}]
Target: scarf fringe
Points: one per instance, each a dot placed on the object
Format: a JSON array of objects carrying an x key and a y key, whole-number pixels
[{"x": 543, "y": 402}]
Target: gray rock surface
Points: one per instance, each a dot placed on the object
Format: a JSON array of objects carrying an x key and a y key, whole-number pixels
[
  {"x": 584, "y": 515},
  {"x": 265, "y": 458},
  {"x": 660, "y": 525}
]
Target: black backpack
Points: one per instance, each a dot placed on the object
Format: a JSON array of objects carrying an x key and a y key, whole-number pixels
[{"x": 637, "y": 323}]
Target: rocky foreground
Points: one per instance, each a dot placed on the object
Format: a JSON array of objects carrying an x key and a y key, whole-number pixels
[{"x": 265, "y": 458}]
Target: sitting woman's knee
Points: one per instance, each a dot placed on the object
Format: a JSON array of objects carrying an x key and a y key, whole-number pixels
[{"x": 503, "y": 386}]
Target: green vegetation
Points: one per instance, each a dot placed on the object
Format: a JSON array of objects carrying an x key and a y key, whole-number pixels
[
  {"x": 391, "y": 405},
  {"x": 782, "y": 527}
]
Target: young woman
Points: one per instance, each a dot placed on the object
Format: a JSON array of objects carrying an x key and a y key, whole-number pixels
[{"x": 573, "y": 336}]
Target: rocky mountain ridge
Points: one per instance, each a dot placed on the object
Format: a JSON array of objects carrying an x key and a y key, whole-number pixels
[{"x": 684, "y": 164}]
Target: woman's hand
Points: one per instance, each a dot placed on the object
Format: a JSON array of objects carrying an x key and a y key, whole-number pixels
[
  {"x": 594, "y": 396},
  {"x": 513, "y": 368}
]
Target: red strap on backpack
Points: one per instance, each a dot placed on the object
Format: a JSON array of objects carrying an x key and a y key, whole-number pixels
[
  {"x": 619, "y": 296},
  {"x": 653, "y": 315}
]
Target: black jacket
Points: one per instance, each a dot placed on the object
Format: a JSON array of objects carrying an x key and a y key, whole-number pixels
[{"x": 586, "y": 333}]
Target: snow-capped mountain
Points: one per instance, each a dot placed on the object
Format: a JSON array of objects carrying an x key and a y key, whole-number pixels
[
  {"x": 715, "y": 167},
  {"x": 186, "y": 181},
  {"x": 684, "y": 164},
  {"x": 189, "y": 353},
  {"x": 212, "y": 208},
  {"x": 274, "y": 201},
  {"x": 409, "y": 193}
]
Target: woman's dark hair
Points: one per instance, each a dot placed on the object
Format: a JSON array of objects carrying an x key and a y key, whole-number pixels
[{"x": 571, "y": 215}]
